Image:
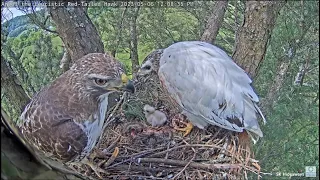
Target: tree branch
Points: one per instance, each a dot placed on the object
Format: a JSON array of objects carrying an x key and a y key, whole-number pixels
[{"x": 214, "y": 22}]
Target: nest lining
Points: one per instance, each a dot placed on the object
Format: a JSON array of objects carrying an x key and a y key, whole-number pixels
[{"x": 163, "y": 153}]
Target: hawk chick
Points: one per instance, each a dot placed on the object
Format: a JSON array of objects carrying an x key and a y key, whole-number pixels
[{"x": 155, "y": 117}]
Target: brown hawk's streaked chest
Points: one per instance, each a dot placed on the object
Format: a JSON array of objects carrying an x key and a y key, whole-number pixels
[{"x": 56, "y": 120}]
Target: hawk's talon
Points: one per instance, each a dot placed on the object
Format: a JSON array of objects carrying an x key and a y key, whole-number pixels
[
  {"x": 256, "y": 165},
  {"x": 86, "y": 161},
  {"x": 115, "y": 152},
  {"x": 186, "y": 129},
  {"x": 111, "y": 159},
  {"x": 96, "y": 169}
]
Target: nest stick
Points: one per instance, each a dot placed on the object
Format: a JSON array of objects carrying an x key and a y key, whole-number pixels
[
  {"x": 143, "y": 168},
  {"x": 191, "y": 145},
  {"x": 135, "y": 177},
  {"x": 191, "y": 164},
  {"x": 185, "y": 167},
  {"x": 134, "y": 156}
]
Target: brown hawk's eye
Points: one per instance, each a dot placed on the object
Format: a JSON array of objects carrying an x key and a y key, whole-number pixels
[{"x": 100, "y": 82}]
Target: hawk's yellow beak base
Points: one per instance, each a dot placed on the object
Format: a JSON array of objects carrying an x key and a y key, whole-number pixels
[
  {"x": 127, "y": 84},
  {"x": 124, "y": 78}
]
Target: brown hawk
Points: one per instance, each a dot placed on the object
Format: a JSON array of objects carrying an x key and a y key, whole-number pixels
[
  {"x": 208, "y": 87},
  {"x": 65, "y": 119}
]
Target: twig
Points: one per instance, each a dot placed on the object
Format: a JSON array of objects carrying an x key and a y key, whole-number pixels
[
  {"x": 132, "y": 149},
  {"x": 167, "y": 154},
  {"x": 135, "y": 177},
  {"x": 147, "y": 151},
  {"x": 185, "y": 167},
  {"x": 252, "y": 170},
  {"x": 134, "y": 156},
  {"x": 192, "y": 164},
  {"x": 191, "y": 145},
  {"x": 113, "y": 144},
  {"x": 143, "y": 168}
]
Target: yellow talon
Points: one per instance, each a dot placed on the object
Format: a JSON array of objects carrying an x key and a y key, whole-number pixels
[
  {"x": 186, "y": 129},
  {"x": 115, "y": 152},
  {"x": 97, "y": 170},
  {"x": 256, "y": 165},
  {"x": 112, "y": 158}
]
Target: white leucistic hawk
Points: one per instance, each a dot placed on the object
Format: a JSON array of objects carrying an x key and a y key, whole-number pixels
[{"x": 208, "y": 86}]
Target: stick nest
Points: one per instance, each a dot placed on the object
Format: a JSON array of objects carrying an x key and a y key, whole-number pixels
[{"x": 163, "y": 153}]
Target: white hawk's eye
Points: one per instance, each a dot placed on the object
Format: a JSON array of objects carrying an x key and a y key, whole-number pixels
[{"x": 148, "y": 67}]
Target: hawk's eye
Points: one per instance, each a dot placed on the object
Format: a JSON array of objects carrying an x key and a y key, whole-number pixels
[
  {"x": 147, "y": 67},
  {"x": 100, "y": 82}
]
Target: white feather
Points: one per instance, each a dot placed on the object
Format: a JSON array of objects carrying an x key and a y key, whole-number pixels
[
  {"x": 201, "y": 77},
  {"x": 93, "y": 130}
]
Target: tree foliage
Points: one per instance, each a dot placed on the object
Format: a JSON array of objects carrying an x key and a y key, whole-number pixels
[
  {"x": 291, "y": 140},
  {"x": 38, "y": 54}
]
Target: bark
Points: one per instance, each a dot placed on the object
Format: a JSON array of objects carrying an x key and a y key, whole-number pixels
[
  {"x": 12, "y": 87},
  {"x": 21, "y": 71},
  {"x": 76, "y": 31},
  {"x": 134, "y": 40},
  {"x": 65, "y": 61},
  {"x": 119, "y": 33},
  {"x": 214, "y": 22},
  {"x": 253, "y": 35}
]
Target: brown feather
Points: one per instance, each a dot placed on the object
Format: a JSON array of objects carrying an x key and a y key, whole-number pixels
[{"x": 53, "y": 120}]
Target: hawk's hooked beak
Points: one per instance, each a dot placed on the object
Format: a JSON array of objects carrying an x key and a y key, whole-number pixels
[
  {"x": 141, "y": 73},
  {"x": 127, "y": 85}
]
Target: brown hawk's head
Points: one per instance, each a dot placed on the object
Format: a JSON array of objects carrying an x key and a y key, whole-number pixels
[{"x": 97, "y": 74}]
